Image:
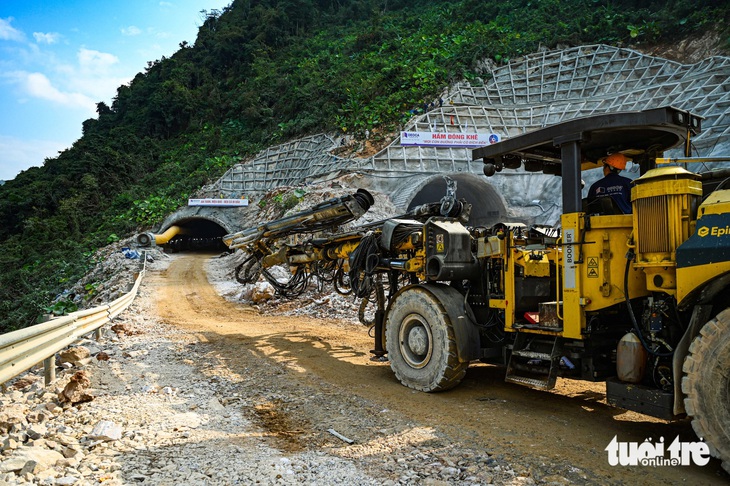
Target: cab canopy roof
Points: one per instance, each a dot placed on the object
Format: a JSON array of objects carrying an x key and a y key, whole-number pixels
[{"x": 580, "y": 144}]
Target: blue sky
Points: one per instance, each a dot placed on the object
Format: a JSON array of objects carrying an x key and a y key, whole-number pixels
[{"x": 58, "y": 58}]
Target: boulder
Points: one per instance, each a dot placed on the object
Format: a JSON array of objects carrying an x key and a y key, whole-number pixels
[
  {"x": 43, "y": 458},
  {"x": 75, "y": 392},
  {"x": 261, "y": 292},
  {"x": 106, "y": 430},
  {"x": 76, "y": 356}
]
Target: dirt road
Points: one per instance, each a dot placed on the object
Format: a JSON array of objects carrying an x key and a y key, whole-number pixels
[{"x": 325, "y": 379}]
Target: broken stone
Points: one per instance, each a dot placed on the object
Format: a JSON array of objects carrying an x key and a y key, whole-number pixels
[
  {"x": 14, "y": 464},
  {"x": 75, "y": 392},
  {"x": 44, "y": 458},
  {"x": 70, "y": 452},
  {"x": 261, "y": 292},
  {"x": 9, "y": 444},
  {"x": 30, "y": 467},
  {"x": 66, "y": 481},
  {"x": 36, "y": 431},
  {"x": 106, "y": 430},
  {"x": 75, "y": 356},
  {"x": 53, "y": 408},
  {"x": 10, "y": 416},
  {"x": 37, "y": 416},
  {"x": 124, "y": 328},
  {"x": 21, "y": 437},
  {"x": 102, "y": 356},
  {"x": 66, "y": 440},
  {"x": 22, "y": 383}
]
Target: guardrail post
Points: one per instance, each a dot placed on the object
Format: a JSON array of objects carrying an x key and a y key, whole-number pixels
[
  {"x": 99, "y": 333},
  {"x": 49, "y": 369}
]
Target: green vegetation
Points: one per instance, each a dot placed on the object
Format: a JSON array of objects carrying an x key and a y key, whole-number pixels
[{"x": 259, "y": 73}]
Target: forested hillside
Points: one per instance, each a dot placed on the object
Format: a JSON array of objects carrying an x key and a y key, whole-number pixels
[{"x": 262, "y": 72}]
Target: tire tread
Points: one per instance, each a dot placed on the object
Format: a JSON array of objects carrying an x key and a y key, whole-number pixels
[
  {"x": 709, "y": 353},
  {"x": 454, "y": 370}
]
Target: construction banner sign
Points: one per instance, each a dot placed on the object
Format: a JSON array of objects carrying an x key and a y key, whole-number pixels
[{"x": 437, "y": 139}]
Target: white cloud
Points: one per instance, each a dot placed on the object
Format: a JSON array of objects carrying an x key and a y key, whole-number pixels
[
  {"x": 18, "y": 154},
  {"x": 8, "y": 32},
  {"x": 101, "y": 88},
  {"x": 131, "y": 30},
  {"x": 38, "y": 85},
  {"x": 92, "y": 61},
  {"x": 94, "y": 77},
  {"x": 46, "y": 38},
  {"x": 166, "y": 4}
]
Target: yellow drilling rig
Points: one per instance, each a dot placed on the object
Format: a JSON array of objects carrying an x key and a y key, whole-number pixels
[{"x": 638, "y": 300}]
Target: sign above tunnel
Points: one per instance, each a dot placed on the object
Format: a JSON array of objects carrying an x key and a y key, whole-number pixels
[
  {"x": 218, "y": 202},
  {"x": 437, "y": 139}
]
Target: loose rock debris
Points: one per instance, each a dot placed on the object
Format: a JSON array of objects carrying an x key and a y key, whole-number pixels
[{"x": 166, "y": 410}]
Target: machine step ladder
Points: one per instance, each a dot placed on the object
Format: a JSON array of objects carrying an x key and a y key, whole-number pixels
[{"x": 535, "y": 360}]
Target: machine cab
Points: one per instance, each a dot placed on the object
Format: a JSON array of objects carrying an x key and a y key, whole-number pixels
[{"x": 590, "y": 256}]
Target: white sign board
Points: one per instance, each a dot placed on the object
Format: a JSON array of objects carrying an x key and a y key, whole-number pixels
[
  {"x": 228, "y": 203},
  {"x": 437, "y": 139}
]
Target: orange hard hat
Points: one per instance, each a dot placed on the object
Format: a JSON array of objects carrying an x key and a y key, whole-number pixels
[{"x": 617, "y": 160}]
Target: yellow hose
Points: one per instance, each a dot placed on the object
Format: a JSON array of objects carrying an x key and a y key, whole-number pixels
[{"x": 169, "y": 234}]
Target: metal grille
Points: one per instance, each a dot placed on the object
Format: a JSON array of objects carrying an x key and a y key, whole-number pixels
[
  {"x": 653, "y": 225},
  {"x": 533, "y": 92}
]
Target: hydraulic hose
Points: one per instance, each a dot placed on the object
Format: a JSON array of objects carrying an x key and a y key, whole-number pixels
[{"x": 637, "y": 329}]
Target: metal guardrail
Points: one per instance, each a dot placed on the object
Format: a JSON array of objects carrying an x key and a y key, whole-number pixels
[{"x": 22, "y": 349}]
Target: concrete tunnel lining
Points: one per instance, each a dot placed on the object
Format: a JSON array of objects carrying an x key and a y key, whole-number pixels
[{"x": 488, "y": 206}]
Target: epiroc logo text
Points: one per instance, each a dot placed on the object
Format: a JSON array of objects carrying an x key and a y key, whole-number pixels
[{"x": 714, "y": 231}]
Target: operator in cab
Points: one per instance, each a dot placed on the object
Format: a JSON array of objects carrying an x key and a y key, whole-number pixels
[{"x": 613, "y": 185}]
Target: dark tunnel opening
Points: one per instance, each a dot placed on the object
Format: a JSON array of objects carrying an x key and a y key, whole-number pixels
[
  {"x": 487, "y": 206},
  {"x": 197, "y": 234}
]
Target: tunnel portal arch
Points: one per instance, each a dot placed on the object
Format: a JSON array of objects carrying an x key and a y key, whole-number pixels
[
  {"x": 194, "y": 228},
  {"x": 488, "y": 206},
  {"x": 197, "y": 233}
]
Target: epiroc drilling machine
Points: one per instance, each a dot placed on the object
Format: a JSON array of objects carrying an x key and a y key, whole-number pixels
[{"x": 636, "y": 300}]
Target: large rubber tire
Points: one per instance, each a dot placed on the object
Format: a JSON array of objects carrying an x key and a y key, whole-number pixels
[
  {"x": 706, "y": 385},
  {"x": 421, "y": 343}
]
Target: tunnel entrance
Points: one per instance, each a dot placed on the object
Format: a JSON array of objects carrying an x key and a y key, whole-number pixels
[
  {"x": 487, "y": 205},
  {"x": 197, "y": 234}
]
